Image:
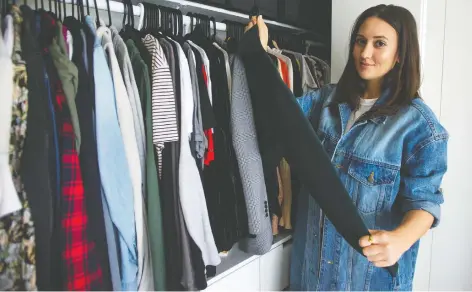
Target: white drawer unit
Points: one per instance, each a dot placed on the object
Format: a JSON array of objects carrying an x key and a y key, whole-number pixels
[
  {"x": 242, "y": 271},
  {"x": 245, "y": 278}
]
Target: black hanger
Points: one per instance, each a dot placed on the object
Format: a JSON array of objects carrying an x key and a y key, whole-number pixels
[
  {"x": 55, "y": 8},
  {"x": 125, "y": 16},
  {"x": 97, "y": 21},
  {"x": 254, "y": 11},
  {"x": 109, "y": 13},
  {"x": 190, "y": 14},
  {"x": 58, "y": 8},
  {"x": 88, "y": 7},
  {"x": 181, "y": 23},
  {"x": 152, "y": 20},
  {"x": 207, "y": 21},
  {"x": 212, "y": 19},
  {"x": 3, "y": 8},
  {"x": 130, "y": 13},
  {"x": 82, "y": 11}
]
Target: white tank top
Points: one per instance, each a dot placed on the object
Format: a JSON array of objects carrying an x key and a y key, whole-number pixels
[{"x": 364, "y": 106}]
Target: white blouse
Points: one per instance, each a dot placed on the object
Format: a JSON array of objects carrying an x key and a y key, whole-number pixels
[
  {"x": 192, "y": 196},
  {"x": 9, "y": 201}
]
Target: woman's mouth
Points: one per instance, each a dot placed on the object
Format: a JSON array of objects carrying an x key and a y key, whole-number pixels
[{"x": 365, "y": 65}]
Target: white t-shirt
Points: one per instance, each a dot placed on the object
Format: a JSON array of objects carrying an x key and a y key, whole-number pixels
[{"x": 364, "y": 106}]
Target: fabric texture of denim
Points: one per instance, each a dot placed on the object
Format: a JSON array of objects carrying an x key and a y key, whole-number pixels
[{"x": 389, "y": 165}]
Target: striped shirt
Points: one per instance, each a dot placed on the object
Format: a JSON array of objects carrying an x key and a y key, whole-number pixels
[{"x": 164, "y": 114}]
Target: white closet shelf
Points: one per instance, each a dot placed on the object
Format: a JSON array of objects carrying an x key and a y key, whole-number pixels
[
  {"x": 219, "y": 13},
  {"x": 236, "y": 258}
]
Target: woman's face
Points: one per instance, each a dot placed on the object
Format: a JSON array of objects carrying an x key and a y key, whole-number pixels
[{"x": 375, "y": 49}]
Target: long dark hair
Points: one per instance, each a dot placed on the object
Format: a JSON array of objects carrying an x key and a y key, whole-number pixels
[{"x": 402, "y": 82}]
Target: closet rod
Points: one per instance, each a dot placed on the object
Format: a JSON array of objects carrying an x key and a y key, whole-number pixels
[
  {"x": 118, "y": 7},
  {"x": 137, "y": 9},
  {"x": 245, "y": 17}
]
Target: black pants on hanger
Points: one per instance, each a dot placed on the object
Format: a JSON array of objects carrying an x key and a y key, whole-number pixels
[{"x": 293, "y": 137}]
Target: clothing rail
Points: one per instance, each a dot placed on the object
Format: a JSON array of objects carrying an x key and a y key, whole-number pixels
[
  {"x": 138, "y": 10},
  {"x": 244, "y": 17},
  {"x": 179, "y": 4}
]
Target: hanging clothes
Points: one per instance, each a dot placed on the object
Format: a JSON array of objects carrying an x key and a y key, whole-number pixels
[
  {"x": 132, "y": 91},
  {"x": 227, "y": 65},
  {"x": 68, "y": 75},
  {"x": 249, "y": 159},
  {"x": 209, "y": 132},
  {"x": 16, "y": 225},
  {"x": 197, "y": 144},
  {"x": 156, "y": 234},
  {"x": 164, "y": 112},
  {"x": 145, "y": 281},
  {"x": 190, "y": 185},
  {"x": 9, "y": 201},
  {"x": 37, "y": 166},
  {"x": 113, "y": 165},
  {"x": 85, "y": 100},
  {"x": 79, "y": 260},
  {"x": 222, "y": 182},
  {"x": 193, "y": 276}
]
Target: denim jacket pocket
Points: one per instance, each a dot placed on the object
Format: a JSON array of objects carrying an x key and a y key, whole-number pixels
[{"x": 373, "y": 181}]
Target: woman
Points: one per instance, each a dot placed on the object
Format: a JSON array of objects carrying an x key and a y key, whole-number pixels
[{"x": 389, "y": 151}]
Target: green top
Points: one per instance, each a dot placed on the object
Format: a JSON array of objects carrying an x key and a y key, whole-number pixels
[
  {"x": 69, "y": 76},
  {"x": 154, "y": 217}
]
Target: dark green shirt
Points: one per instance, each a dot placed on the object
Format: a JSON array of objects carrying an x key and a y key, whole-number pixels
[{"x": 153, "y": 203}]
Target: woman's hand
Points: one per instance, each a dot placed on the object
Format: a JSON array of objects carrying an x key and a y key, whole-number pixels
[
  {"x": 263, "y": 30},
  {"x": 384, "y": 248}
]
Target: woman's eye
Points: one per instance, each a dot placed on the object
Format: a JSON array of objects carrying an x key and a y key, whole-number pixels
[
  {"x": 380, "y": 44},
  {"x": 360, "y": 42}
]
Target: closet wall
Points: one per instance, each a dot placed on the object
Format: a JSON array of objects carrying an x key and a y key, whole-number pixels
[{"x": 445, "y": 257}]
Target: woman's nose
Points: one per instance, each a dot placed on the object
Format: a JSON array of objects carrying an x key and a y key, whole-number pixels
[{"x": 367, "y": 51}]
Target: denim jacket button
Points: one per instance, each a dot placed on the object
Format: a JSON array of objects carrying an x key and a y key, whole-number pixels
[{"x": 371, "y": 177}]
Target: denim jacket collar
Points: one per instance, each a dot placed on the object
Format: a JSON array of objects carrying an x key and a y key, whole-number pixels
[{"x": 345, "y": 111}]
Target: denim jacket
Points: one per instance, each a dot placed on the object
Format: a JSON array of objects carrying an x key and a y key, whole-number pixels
[{"x": 389, "y": 165}]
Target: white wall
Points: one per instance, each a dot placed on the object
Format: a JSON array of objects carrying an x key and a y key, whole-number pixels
[
  {"x": 445, "y": 257},
  {"x": 451, "y": 263}
]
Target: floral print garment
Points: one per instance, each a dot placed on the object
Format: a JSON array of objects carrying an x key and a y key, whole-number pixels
[{"x": 17, "y": 241}]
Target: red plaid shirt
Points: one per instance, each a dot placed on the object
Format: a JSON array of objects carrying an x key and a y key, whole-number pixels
[{"x": 80, "y": 262}]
